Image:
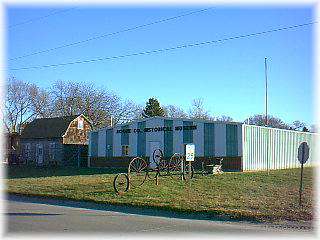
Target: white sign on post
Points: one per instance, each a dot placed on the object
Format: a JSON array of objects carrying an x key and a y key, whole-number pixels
[{"x": 190, "y": 152}]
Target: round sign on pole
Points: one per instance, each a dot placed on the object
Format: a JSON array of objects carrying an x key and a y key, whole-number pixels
[{"x": 303, "y": 153}]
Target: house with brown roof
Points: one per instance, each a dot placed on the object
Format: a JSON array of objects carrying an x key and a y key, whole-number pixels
[{"x": 56, "y": 141}]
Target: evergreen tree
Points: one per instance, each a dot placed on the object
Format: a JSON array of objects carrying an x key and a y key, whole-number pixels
[{"x": 153, "y": 108}]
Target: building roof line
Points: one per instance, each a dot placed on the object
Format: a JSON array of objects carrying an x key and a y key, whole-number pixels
[
  {"x": 169, "y": 118},
  {"x": 282, "y": 129}
]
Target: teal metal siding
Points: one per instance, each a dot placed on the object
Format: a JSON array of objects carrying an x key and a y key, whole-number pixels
[
  {"x": 125, "y": 136},
  {"x": 94, "y": 144},
  {"x": 141, "y": 140},
  {"x": 209, "y": 147},
  {"x": 168, "y": 138},
  {"x": 187, "y": 134},
  {"x": 109, "y": 143},
  {"x": 231, "y": 140}
]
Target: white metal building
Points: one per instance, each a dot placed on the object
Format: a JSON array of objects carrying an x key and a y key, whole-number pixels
[
  {"x": 243, "y": 147},
  {"x": 271, "y": 148}
]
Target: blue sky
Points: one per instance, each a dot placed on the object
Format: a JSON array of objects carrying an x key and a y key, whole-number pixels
[{"x": 228, "y": 76}]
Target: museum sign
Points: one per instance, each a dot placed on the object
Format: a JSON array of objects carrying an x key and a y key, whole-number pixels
[{"x": 158, "y": 129}]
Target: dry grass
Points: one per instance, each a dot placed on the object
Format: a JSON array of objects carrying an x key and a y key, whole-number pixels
[{"x": 257, "y": 196}]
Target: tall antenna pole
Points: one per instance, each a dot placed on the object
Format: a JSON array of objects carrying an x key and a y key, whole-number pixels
[
  {"x": 266, "y": 123},
  {"x": 266, "y": 75}
]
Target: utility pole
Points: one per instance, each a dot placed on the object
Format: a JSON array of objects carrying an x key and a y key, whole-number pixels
[
  {"x": 266, "y": 123},
  {"x": 266, "y": 76}
]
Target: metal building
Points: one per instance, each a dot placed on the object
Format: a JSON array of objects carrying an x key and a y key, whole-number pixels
[
  {"x": 243, "y": 147},
  {"x": 271, "y": 148}
]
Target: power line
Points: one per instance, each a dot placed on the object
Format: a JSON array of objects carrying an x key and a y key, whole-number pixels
[
  {"x": 42, "y": 17},
  {"x": 167, "y": 49},
  {"x": 111, "y": 34}
]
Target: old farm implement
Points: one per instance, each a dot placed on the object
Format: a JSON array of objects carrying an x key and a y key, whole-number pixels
[
  {"x": 139, "y": 170},
  {"x": 211, "y": 168}
]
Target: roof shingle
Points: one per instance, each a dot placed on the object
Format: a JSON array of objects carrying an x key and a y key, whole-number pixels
[{"x": 47, "y": 127}]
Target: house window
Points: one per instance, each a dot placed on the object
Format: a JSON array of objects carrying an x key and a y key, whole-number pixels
[
  {"x": 27, "y": 150},
  {"x": 80, "y": 124},
  {"x": 52, "y": 150},
  {"x": 39, "y": 150},
  {"x": 125, "y": 150}
]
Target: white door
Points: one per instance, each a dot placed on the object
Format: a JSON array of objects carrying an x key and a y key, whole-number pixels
[
  {"x": 153, "y": 146},
  {"x": 39, "y": 154}
]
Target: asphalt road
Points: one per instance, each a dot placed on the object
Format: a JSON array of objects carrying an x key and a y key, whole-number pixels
[{"x": 33, "y": 215}]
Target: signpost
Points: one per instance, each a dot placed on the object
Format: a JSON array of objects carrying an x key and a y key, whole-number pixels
[
  {"x": 190, "y": 153},
  {"x": 303, "y": 156}
]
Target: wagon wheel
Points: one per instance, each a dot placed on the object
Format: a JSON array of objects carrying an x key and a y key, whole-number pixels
[
  {"x": 174, "y": 165},
  {"x": 157, "y": 156},
  {"x": 163, "y": 167},
  {"x": 137, "y": 172},
  {"x": 121, "y": 183},
  {"x": 151, "y": 173}
]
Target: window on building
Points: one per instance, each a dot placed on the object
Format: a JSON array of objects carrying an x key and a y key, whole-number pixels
[
  {"x": 80, "y": 124},
  {"x": 39, "y": 149},
  {"x": 125, "y": 150},
  {"x": 52, "y": 150},
  {"x": 27, "y": 150}
]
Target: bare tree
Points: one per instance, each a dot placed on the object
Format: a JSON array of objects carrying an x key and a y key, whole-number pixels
[
  {"x": 17, "y": 105},
  {"x": 72, "y": 98},
  {"x": 64, "y": 98},
  {"x": 40, "y": 102},
  {"x": 174, "y": 111},
  {"x": 298, "y": 125},
  {"x": 98, "y": 104},
  {"x": 126, "y": 111},
  {"x": 274, "y": 122},
  {"x": 224, "y": 118},
  {"x": 198, "y": 111}
]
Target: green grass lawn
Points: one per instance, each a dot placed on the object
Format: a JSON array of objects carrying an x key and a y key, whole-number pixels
[{"x": 256, "y": 196}]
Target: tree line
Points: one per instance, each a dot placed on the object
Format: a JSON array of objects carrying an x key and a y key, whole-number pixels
[
  {"x": 198, "y": 111},
  {"x": 25, "y": 101}
]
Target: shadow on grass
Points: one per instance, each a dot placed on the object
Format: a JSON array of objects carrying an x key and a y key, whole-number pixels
[
  {"x": 130, "y": 209},
  {"x": 12, "y": 172},
  {"x": 23, "y": 171}
]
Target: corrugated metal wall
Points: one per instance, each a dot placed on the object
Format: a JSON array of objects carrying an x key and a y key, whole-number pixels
[
  {"x": 270, "y": 148},
  {"x": 109, "y": 143},
  {"x": 212, "y": 139},
  {"x": 231, "y": 140},
  {"x": 187, "y": 134},
  {"x": 141, "y": 139},
  {"x": 209, "y": 143},
  {"x": 168, "y": 139},
  {"x": 93, "y": 144}
]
